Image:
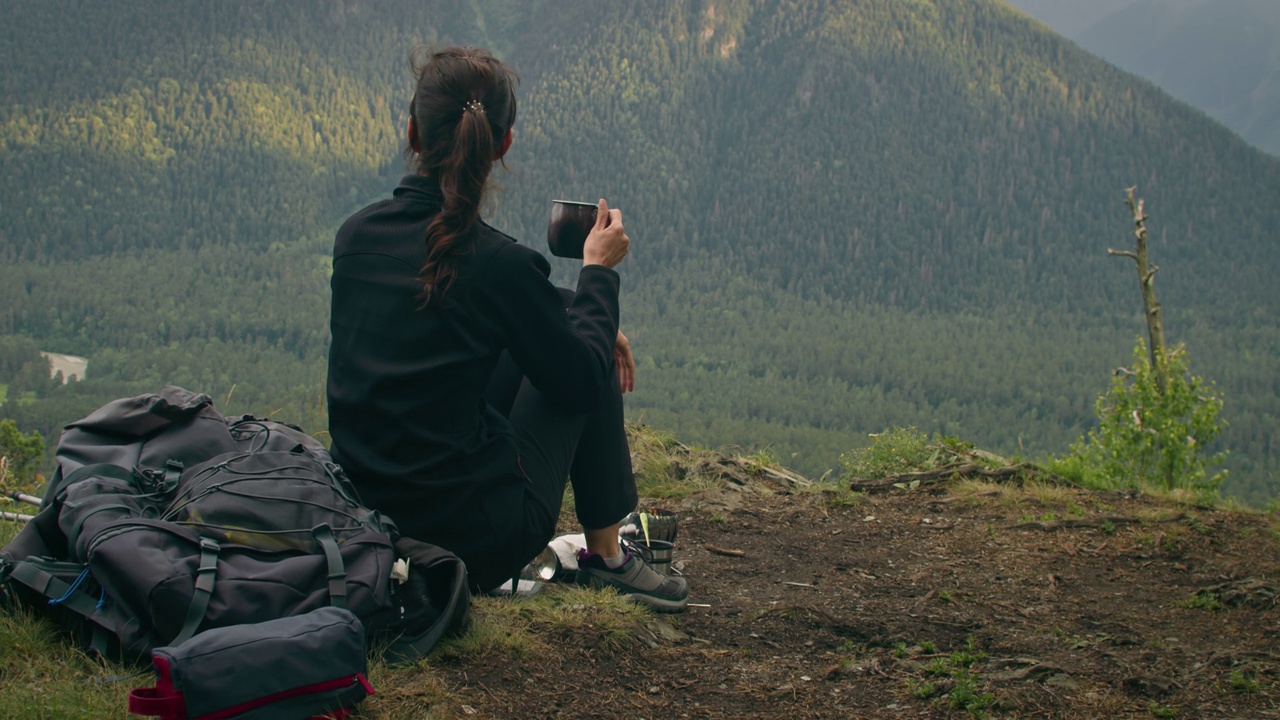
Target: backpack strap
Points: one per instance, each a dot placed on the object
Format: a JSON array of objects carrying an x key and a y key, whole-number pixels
[
  {"x": 59, "y": 592},
  {"x": 69, "y": 595},
  {"x": 172, "y": 474},
  {"x": 205, "y": 577},
  {"x": 337, "y": 570},
  {"x": 106, "y": 470}
]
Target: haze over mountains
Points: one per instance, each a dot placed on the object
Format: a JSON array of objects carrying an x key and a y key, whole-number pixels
[
  {"x": 1221, "y": 56},
  {"x": 846, "y": 215}
]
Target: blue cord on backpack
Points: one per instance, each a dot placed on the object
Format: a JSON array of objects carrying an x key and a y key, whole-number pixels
[{"x": 74, "y": 586}]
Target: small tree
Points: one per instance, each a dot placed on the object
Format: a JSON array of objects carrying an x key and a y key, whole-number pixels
[
  {"x": 20, "y": 456},
  {"x": 1147, "y": 437},
  {"x": 1156, "y": 421}
]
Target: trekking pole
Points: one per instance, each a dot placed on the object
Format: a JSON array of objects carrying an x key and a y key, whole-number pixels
[
  {"x": 16, "y": 517},
  {"x": 23, "y": 497}
]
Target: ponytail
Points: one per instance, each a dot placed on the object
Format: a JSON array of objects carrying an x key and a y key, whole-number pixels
[{"x": 462, "y": 110}]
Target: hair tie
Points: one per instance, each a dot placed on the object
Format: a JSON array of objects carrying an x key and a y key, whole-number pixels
[{"x": 474, "y": 106}]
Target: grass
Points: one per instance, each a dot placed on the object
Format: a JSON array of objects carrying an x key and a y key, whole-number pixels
[
  {"x": 1187, "y": 497},
  {"x": 921, "y": 690},
  {"x": 1243, "y": 682},
  {"x": 964, "y": 692},
  {"x": 662, "y": 466},
  {"x": 9, "y": 530},
  {"x": 837, "y": 494},
  {"x": 1204, "y": 600},
  {"x": 45, "y": 677},
  {"x": 1048, "y": 493},
  {"x": 1156, "y": 514},
  {"x": 977, "y": 492}
]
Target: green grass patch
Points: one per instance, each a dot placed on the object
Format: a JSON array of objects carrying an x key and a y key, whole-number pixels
[
  {"x": 45, "y": 677},
  {"x": 1244, "y": 682},
  {"x": 1204, "y": 600},
  {"x": 9, "y": 529},
  {"x": 663, "y": 467}
]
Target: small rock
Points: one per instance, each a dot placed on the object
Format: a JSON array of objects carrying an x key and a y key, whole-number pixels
[
  {"x": 1152, "y": 687},
  {"x": 1062, "y": 681}
]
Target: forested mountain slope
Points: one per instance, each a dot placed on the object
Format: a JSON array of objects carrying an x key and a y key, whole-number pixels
[
  {"x": 1221, "y": 56},
  {"x": 845, "y": 215}
]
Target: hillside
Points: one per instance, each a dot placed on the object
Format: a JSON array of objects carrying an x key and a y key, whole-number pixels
[
  {"x": 846, "y": 216},
  {"x": 966, "y": 598},
  {"x": 1221, "y": 57}
]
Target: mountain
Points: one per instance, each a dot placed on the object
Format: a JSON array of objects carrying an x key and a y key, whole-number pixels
[
  {"x": 1221, "y": 56},
  {"x": 846, "y": 215}
]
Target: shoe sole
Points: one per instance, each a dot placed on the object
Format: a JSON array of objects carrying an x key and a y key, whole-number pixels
[{"x": 658, "y": 604}]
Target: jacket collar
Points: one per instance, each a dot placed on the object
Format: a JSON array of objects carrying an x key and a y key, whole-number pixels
[{"x": 416, "y": 188}]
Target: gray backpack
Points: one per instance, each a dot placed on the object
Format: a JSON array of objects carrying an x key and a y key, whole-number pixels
[{"x": 165, "y": 518}]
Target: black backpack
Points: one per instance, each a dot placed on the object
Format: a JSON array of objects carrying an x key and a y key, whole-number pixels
[{"x": 165, "y": 518}]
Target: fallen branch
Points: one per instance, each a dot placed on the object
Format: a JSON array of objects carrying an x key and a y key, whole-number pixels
[
  {"x": 742, "y": 473},
  {"x": 724, "y": 551},
  {"x": 1010, "y": 473}
]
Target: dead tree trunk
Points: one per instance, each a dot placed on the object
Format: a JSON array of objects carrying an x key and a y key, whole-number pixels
[{"x": 1146, "y": 276}]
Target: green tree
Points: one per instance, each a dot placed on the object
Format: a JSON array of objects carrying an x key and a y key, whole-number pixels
[
  {"x": 20, "y": 455},
  {"x": 1147, "y": 437}
]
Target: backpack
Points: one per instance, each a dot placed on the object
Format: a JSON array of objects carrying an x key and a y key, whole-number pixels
[{"x": 164, "y": 518}]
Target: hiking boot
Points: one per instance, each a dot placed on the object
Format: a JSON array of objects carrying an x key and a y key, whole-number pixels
[{"x": 634, "y": 580}]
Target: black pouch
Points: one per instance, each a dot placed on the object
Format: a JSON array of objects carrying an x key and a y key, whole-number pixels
[
  {"x": 434, "y": 598},
  {"x": 307, "y": 666}
]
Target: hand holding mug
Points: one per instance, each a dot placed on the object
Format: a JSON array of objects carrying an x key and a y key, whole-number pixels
[{"x": 607, "y": 243}]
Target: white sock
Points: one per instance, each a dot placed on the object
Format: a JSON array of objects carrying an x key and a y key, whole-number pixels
[{"x": 615, "y": 562}]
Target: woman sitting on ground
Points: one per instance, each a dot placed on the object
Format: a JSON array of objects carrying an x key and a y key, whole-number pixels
[{"x": 463, "y": 388}]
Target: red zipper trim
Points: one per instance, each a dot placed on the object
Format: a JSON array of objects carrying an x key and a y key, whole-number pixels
[{"x": 328, "y": 685}]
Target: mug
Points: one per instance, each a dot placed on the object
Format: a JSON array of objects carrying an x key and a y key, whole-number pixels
[{"x": 570, "y": 223}]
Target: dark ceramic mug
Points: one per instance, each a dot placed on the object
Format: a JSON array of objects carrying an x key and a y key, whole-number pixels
[{"x": 569, "y": 226}]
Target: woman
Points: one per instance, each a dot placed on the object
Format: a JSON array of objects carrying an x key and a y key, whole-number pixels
[{"x": 463, "y": 388}]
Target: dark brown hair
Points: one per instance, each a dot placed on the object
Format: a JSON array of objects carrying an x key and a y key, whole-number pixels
[{"x": 462, "y": 108}]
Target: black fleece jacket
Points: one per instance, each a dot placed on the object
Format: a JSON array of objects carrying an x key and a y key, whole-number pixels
[{"x": 407, "y": 415}]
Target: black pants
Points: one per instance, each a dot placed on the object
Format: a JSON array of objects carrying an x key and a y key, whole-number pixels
[{"x": 556, "y": 445}]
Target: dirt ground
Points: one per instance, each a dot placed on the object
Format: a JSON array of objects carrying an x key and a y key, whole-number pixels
[{"x": 959, "y": 600}]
